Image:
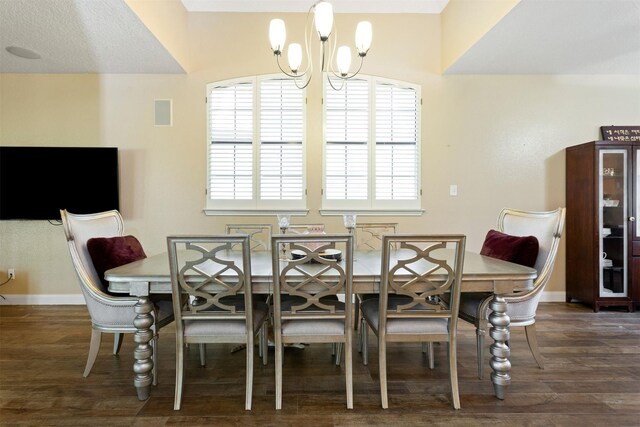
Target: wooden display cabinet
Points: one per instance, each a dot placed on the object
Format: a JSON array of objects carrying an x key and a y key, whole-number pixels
[{"x": 603, "y": 240}]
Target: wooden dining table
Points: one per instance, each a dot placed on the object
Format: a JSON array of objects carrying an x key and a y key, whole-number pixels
[{"x": 480, "y": 274}]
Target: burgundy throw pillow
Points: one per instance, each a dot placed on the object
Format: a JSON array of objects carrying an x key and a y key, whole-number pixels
[
  {"x": 517, "y": 249},
  {"x": 111, "y": 252}
]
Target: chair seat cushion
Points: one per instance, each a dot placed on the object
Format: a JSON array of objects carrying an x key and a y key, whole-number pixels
[
  {"x": 371, "y": 311},
  {"x": 517, "y": 249},
  {"x": 308, "y": 327},
  {"x": 111, "y": 252},
  {"x": 231, "y": 327}
]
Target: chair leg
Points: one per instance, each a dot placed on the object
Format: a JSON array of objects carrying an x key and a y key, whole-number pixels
[
  {"x": 278, "y": 362},
  {"x": 338, "y": 353},
  {"x": 364, "y": 331},
  {"x": 382, "y": 362},
  {"x": 249, "y": 368},
  {"x": 263, "y": 343},
  {"x": 427, "y": 347},
  {"x": 356, "y": 312},
  {"x": 94, "y": 347},
  {"x": 532, "y": 339},
  {"x": 117, "y": 342},
  {"x": 480, "y": 352},
  {"x": 203, "y": 354},
  {"x": 179, "y": 373},
  {"x": 348, "y": 368},
  {"x": 453, "y": 375},
  {"x": 154, "y": 357}
]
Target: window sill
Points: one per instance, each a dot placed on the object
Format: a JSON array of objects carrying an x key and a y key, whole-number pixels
[
  {"x": 254, "y": 212},
  {"x": 372, "y": 212}
]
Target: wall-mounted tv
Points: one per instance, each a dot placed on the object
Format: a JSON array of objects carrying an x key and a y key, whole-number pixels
[{"x": 36, "y": 182}]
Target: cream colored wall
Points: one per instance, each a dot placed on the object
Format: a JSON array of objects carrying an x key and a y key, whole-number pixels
[{"x": 499, "y": 138}]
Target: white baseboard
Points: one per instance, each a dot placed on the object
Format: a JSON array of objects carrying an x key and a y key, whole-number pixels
[
  {"x": 78, "y": 299},
  {"x": 553, "y": 297},
  {"x": 61, "y": 299}
]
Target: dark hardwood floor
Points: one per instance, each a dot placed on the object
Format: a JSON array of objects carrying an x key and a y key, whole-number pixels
[{"x": 591, "y": 378}]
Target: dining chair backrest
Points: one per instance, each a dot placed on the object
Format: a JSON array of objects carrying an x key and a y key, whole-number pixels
[
  {"x": 259, "y": 235},
  {"x": 422, "y": 268},
  {"x": 212, "y": 274},
  {"x": 547, "y": 227},
  {"x": 369, "y": 234},
  {"x": 305, "y": 229},
  {"x": 312, "y": 275}
]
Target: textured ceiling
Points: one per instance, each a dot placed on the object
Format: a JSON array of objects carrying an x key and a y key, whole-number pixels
[
  {"x": 535, "y": 37},
  {"x": 79, "y": 36},
  {"x": 559, "y": 37}
]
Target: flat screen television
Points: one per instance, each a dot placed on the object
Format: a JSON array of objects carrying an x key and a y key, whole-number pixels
[{"x": 36, "y": 182}]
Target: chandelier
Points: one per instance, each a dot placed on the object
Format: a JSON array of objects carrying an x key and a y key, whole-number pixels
[{"x": 323, "y": 22}]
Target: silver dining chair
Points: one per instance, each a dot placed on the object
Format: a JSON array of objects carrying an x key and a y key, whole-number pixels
[
  {"x": 224, "y": 311},
  {"x": 259, "y": 241},
  {"x": 522, "y": 306},
  {"x": 259, "y": 234},
  {"x": 369, "y": 238},
  {"x": 306, "y": 308},
  {"x": 409, "y": 309},
  {"x": 109, "y": 314}
]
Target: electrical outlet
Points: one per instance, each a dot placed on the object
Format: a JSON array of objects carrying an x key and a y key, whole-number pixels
[{"x": 11, "y": 273}]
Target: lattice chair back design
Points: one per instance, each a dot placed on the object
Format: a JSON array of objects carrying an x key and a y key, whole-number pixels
[
  {"x": 475, "y": 308},
  {"x": 409, "y": 308},
  {"x": 306, "y": 307},
  {"x": 259, "y": 235},
  {"x": 220, "y": 307},
  {"x": 109, "y": 314},
  {"x": 369, "y": 234}
]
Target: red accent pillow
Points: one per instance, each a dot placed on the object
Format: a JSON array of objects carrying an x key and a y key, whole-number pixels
[
  {"x": 517, "y": 249},
  {"x": 111, "y": 252}
]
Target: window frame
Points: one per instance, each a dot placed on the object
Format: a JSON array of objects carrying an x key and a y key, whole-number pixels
[
  {"x": 373, "y": 206},
  {"x": 255, "y": 205}
]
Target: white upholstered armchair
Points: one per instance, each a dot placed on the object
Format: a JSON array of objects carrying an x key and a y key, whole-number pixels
[
  {"x": 109, "y": 314},
  {"x": 521, "y": 307}
]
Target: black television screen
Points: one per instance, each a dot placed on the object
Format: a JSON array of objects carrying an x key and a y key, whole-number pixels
[{"x": 36, "y": 182}]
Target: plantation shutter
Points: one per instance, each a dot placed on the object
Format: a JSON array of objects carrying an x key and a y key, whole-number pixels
[
  {"x": 230, "y": 147},
  {"x": 281, "y": 136},
  {"x": 346, "y": 139},
  {"x": 396, "y": 142}
]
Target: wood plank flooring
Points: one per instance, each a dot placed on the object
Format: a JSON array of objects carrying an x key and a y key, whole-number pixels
[{"x": 591, "y": 378}]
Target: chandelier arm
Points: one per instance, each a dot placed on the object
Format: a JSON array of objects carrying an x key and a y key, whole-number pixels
[
  {"x": 292, "y": 75},
  {"x": 332, "y": 86},
  {"x": 352, "y": 75}
]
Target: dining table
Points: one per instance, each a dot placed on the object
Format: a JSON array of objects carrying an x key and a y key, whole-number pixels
[{"x": 480, "y": 273}]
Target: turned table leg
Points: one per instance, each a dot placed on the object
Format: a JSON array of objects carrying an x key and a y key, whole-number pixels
[
  {"x": 500, "y": 349},
  {"x": 143, "y": 353}
]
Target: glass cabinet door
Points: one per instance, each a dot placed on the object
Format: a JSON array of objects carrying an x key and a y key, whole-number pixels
[{"x": 613, "y": 222}]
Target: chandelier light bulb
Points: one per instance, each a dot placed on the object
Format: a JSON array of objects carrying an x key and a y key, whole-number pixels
[
  {"x": 277, "y": 35},
  {"x": 364, "y": 35},
  {"x": 344, "y": 59},
  {"x": 294, "y": 56},
  {"x": 324, "y": 19}
]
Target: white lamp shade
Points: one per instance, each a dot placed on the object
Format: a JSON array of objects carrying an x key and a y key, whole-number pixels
[
  {"x": 364, "y": 34},
  {"x": 277, "y": 35},
  {"x": 294, "y": 55},
  {"x": 324, "y": 19},
  {"x": 344, "y": 59}
]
